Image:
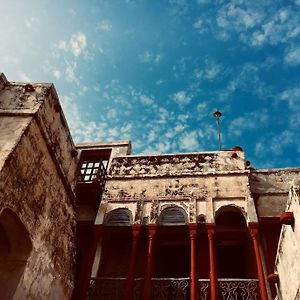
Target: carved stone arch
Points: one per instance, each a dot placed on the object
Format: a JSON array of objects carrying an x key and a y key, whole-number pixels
[
  {"x": 233, "y": 211},
  {"x": 15, "y": 249},
  {"x": 118, "y": 217},
  {"x": 172, "y": 215}
]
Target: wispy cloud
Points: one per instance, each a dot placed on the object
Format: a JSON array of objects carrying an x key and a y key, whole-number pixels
[
  {"x": 104, "y": 25},
  {"x": 181, "y": 97},
  {"x": 249, "y": 121},
  {"x": 292, "y": 56},
  {"x": 189, "y": 141},
  {"x": 149, "y": 57},
  {"x": 76, "y": 44}
]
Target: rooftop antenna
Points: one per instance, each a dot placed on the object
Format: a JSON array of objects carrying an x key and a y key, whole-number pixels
[{"x": 217, "y": 114}]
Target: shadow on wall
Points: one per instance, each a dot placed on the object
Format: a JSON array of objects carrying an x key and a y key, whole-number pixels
[{"x": 15, "y": 248}]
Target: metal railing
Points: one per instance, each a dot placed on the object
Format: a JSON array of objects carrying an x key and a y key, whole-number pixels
[
  {"x": 170, "y": 288},
  {"x": 112, "y": 288},
  {"x": 238, "y": 289}
]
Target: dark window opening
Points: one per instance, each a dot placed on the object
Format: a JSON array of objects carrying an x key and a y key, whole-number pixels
[
  {"x": 172, "y": 216},
  {"x": 120, "y": 216}
]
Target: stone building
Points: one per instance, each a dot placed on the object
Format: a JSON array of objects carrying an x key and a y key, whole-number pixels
[
  {"x": 92, "y": 220},
  {"x": 37, "y": 180}
]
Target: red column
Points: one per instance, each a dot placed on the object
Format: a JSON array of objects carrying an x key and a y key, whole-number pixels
[
  {"x": 211, "y": 228},
  {"x": 193, "y": 284},
  {"x": 253, "y": 228},
  {"x": 148, "y": 274},
  {"x": 98, "y": 230},
  {"x": 136, "y": 229}
]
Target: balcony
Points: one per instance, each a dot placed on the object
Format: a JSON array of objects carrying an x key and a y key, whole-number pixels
[{"x": 112, "y": 288}]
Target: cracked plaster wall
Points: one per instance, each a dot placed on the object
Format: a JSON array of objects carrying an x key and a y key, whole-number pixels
[
  {"x": 37, "y": 175},
  {"x": 288, "y": 255},
  {"x": 198, "y": 183}
]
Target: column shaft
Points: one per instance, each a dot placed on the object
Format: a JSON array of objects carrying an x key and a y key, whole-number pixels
[
  {"x": 212, "y": 275},
  {"x": 253, "y": 228},
  {"x": 136, "y": 229},
  {"x": 193, "y": 276},
  {"x": 148, "y": 274}
]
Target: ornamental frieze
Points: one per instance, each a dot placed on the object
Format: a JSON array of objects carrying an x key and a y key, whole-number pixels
[{"x": 178, "y": 164}]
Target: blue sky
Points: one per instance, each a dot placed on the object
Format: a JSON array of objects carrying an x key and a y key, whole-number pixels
[{"x": 155, "y": 71}]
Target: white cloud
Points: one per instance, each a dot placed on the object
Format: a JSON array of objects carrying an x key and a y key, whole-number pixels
[
  {"x": 56, "y": 73},
  {"x": 209, "y": 72},
  {"x": 70, "y": 73},
  {"x": 149, "y": 57},
  {"x": 146, "y": 100},
  {"x": 233, "y": 17},
  {"x": 62, "y": 45},
  {"x": 279, "y": 27},
  {"x": 78, "y": 43},
  {"x": 181, "y": 97},
  {"x": 279, "y": 142},
  {"x": 293, "y": 56},
  {"x": 189, "y": 141},
  {"x": 250, "y": 121},
  {"x": 105, "y": 26},
  {"x": 292, "y": 96},
  {"x": 202, "y": 110}
]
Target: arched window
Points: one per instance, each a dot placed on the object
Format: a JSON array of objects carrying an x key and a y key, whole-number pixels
[
  {"x": 15, "y": 248},
  {"x": 172, "y": 216},
  {"x": 118, "y": 217},
  {"x": 233, "y": 247}
]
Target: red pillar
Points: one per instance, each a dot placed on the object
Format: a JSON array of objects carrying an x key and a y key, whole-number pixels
[
  {"x": 148, "y": 274},
  {"x": 136, "y": 230},
  {"x": 253, "y": 228},
  {"x": 193, "y": 284},
  {"x": 98, "y": 230},
  {"x": 211, "y": 228}
]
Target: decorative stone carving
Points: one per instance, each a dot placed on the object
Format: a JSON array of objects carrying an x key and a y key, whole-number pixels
[
  {"x": 179, "y": 164},
  {"x": 192, "y": 211},
  {"x": 154, "y": 211}
]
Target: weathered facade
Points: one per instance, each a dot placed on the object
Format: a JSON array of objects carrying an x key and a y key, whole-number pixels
[
  {"x": 93, "y": 221},
  {"x": 37, "y": 178}
]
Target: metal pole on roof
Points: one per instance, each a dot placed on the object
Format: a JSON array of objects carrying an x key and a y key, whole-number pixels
[{"x": 217, "y": 114}]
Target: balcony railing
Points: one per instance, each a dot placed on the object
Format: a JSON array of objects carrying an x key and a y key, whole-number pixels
[
  {"x": 112, "y": 288},
  {"x": 203, "y": 289},
  {"x": 108, "y": 288},
  {"x": 239, "y": 289},
  {"x": 170, "y": 288}
]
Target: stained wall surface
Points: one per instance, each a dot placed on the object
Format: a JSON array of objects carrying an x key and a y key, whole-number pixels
[
  {"x": 37, "y": 177},
  {"x": 288, "y": 255}
]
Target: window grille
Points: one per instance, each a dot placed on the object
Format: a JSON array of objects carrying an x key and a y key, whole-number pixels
[
  {"x": 92, "y": 171},
  {"x": 172, "y": 216},
  {"x": 120, "y": 216}
]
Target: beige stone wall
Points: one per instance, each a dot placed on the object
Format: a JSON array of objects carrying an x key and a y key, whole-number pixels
[
  {"x": 200, "y": 183},
  {"x": 36, "y": 182},
  {"x": 270, "y": 188},
  {"x": 288, "y": 255},
  {"x": 32, "y": 188}
]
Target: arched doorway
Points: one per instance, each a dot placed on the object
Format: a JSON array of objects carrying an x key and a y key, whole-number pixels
[
  {"x": 115, "y": 255},
  {"x": 172, "y": 259},
  {"x": 15, "y": 248},
  {"x": 234, "y": 255}
]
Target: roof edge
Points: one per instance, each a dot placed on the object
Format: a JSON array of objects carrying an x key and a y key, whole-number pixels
[{"x": 3, "y": 80}]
